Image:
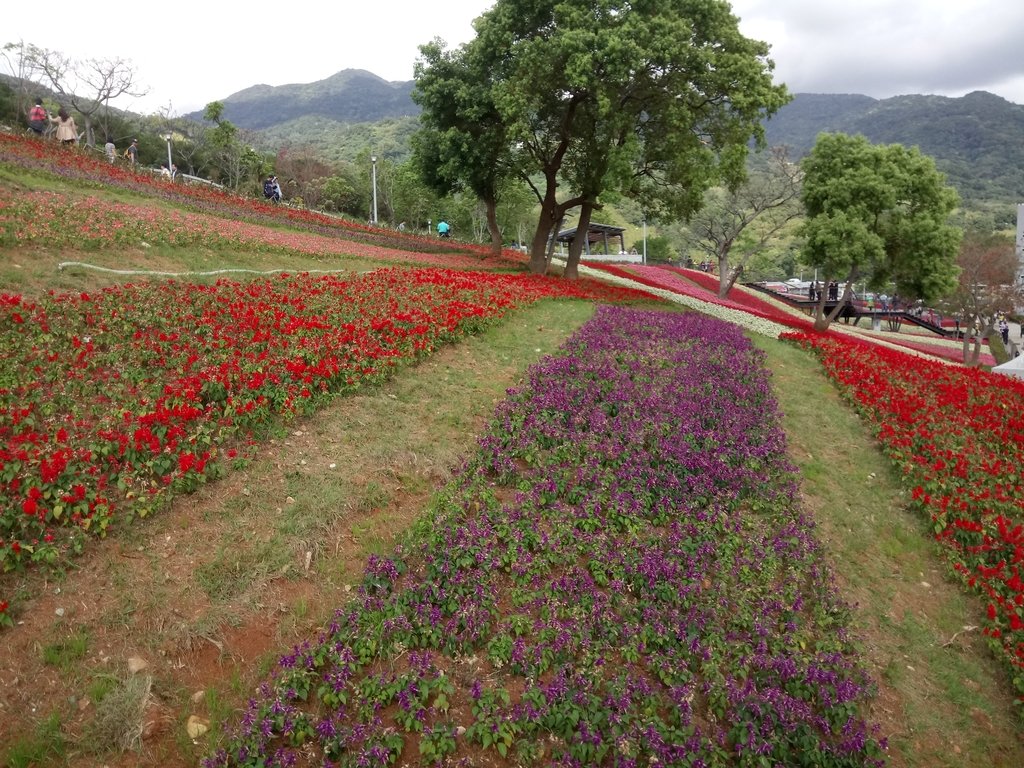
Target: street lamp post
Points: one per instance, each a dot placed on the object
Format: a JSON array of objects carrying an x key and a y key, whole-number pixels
[
  {"x": 373, "y": 159},
  {"x": 644, "y": 222},
  {"x": 170, "y": 165}
]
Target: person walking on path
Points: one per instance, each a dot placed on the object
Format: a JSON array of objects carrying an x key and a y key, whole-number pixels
[
  {"x": 132, "y": 153},
  {"x": 67, "y": 131},
  {"x": 110, "y": 149}
]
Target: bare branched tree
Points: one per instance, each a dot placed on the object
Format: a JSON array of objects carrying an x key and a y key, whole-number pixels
[
  {"x": 106, "y": 80},
  {"x": 19, "y": 61},
  {"x": 303, "y": 173},
  {"x": 987, "y": 287},
  {"x": 755, "y": 211},
  {"x": 88, "y": 85}
]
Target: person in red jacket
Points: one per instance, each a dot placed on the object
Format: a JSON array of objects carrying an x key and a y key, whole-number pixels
[{"x": 37, "y": 118}]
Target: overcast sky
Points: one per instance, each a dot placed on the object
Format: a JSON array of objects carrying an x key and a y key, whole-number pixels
[{"x": 190, "y": 52}]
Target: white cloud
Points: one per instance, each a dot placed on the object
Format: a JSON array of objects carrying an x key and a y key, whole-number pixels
[
  {"x": 189, "y": 52},
  {"x": 887, "y": 47}
]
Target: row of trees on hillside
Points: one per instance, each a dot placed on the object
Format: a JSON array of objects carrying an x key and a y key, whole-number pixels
[
  {"x": 874, "y": 215},
  {"x": 218, "y": 150},
  {"x": 584, "y": 101}
]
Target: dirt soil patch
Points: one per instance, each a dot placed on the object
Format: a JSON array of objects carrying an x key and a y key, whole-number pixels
[{"x": 203, "y": 598}]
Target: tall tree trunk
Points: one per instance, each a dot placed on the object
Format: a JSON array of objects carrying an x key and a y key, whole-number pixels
[
  {"x": 725, "y": 276},
  {"x": 539, "y": 247},
  {"x": 90, "y": 136},
  {"x": 551, "y": 248},
  {"x": 843, "y": 301},
  {"x": 726, "y": 283},
  {"x": 572, "y": 264},
  {"x": 491, "y": 206},
  {"x": 552, "y": 213},
  {"x": 976, "y": 352},
  {"x": 823, "y": 321}
]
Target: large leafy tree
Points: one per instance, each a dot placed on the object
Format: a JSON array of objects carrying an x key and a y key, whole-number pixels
[
  {"x": 878, "y": 213},
  {"x": 462, "y": 145},
  {"x": 233, "y": 160},
  {"x": 658, "y": 99}
]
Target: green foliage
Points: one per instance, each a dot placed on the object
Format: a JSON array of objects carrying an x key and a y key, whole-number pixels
[
  {"x": 659, "y": 248},
  {"x": 736, "y": 224},
  {"x": 349, "y": 96},
  {"x": 232, "y": 162},
  {"x": 213, "y": 112},
  {"x": 596, "y": 96},
  {"x": 28, "y": 751},
  {"x": 338, "y": 142},
  {"x": 337, "y": 194},
  {"x": 462, "y": 144},
  {"x": 880, "y": 214},
  {"x": 9, "y": 105},
  {"x": 67, "y": 653},
  {"x": 974, "y": 139}
]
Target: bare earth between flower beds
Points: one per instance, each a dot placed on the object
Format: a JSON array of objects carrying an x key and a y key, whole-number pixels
[{"x": 139, "y": 595}]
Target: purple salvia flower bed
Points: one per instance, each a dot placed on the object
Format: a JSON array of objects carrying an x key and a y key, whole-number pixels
[{"x": 621, "y": 576}]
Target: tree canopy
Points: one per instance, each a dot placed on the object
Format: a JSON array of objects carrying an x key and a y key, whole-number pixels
[
  {"x": 878, "y": 213},
  {"x": 986, "y": 288},
  {"x": 462, "y": 144},
  {"x": 658, "y": 100}
]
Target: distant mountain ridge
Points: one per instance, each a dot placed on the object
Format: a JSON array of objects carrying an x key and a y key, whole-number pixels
[
  {"x": 348, "y": 96},
  {"x": 977, "y": 139}
]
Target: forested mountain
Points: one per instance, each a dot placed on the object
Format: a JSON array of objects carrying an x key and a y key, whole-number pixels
[
  {"x": 349, "y": 96},
  {"x": 977, "y": 139}
]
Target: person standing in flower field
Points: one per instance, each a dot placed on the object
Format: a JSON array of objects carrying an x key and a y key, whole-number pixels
[
  {"x": 37, "y": 118},
  {"x": 110, "y": 149},
  {"x": 132, "y": 153},
  {"x": 443, "y": 230},
  {"x": 67, "y": 131}
]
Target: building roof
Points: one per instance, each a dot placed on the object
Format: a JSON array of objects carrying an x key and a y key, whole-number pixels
[{"x": 595, "y": 232}]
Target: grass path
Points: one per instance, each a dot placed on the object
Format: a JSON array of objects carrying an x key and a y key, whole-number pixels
[{"x": 943, "y": 701}]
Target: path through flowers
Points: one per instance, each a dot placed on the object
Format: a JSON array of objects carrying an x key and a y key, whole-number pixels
[{"x": 622, "y": 575}]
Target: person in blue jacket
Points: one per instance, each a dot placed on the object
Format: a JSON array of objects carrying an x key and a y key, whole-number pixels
[{"x": 443, "y": 229}]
